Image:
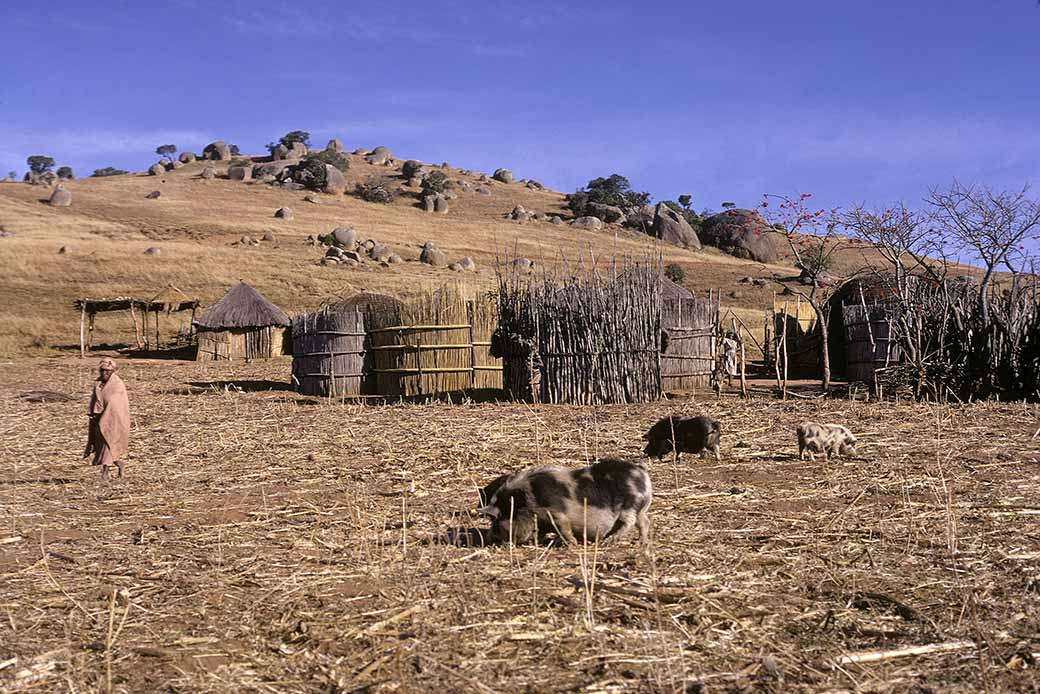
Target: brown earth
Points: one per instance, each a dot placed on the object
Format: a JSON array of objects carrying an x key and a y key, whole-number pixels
[{"x": 266, "y": 542}]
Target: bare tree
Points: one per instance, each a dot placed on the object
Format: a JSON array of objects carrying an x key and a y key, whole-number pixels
[
  {"x": 992, "y": 226},
  {"x": 812, "y": 239}
]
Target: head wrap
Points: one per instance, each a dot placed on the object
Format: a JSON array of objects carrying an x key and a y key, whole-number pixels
[{"x": 107, "y": 363}]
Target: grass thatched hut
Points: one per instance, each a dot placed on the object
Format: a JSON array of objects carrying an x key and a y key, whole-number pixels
[{"x": 242, "y": 325}]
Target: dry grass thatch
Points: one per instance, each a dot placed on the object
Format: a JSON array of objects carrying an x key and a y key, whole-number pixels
[
  {"x": 265, "y": 542},
  {"x": 242, "y": 307}
]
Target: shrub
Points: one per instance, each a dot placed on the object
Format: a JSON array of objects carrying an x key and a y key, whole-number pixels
[
  {"x": 296, "y": 136},
  {"x": 240, "y": 161},
  {"x": 310, "y": 173},
  {"x": 675, "y": 273},
  {"x": 613, "y": 190},
  {"x": 166, "y": 151},
  {"x": 108, "y": 171},
  {"x": 434, "y": 183},
  {"x": 685, "y": 201},
  {"x": 376, "y": 189},
  {"x": 65, "y": 173},
  {"x": 328, "y": 156},
  {"x": 39, "y": 163},
  {"x": 12, "y": 175}
]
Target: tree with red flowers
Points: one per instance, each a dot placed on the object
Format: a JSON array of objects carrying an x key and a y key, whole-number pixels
[{"x": 811, "y": 237}]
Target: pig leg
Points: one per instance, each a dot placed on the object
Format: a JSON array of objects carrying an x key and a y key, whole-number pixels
[
  {"x": 643, "y": 524},
  {"x": 718, "y": 456},
  {"x": 563, "y": 528},
  {"x": 623, "y": 526}
]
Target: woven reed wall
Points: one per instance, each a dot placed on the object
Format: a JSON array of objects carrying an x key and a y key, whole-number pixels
[
  {"x": 869, "y": 342},
  {"x": 329, "y": 353},
  {"x": 689, "y": 356}
]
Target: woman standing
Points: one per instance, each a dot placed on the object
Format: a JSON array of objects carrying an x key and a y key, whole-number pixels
[{"x": 109, "y": 430}]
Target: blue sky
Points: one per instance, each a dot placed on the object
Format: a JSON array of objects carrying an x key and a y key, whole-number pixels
[{"x": 725, "y": 100}]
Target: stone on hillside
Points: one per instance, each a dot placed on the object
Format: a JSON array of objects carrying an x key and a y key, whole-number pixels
[
  {"x": 483, "y": 191},
  {"x": 742, "y": 233},
  {"x": 641, "y": 218},
  {"x": 608, "y": 213},
  {"x": 312, "y": 198},
  {"x": 63, "y": 250},
  {"x": 381, "y": 253},
  {"x": 297, "y": 151},
  {"x": 156, "y": 169},
  {"x": 414, "y": 182},
  {"x": 467, "y": 264},
  {"x": 428, "y": 202},
  {"x": 535, "y": 185},
  {"x": 440, "y": 204},
  {"x": 153, "y": 250},
  {"x": 431, "y": 255},
  {"x": 208, "y": 173},
  {"x": 465, "y": 186},
  {"x": 588, "y": 223},
  {"x": 411, "y": 169},
  {"x": 334, "y": 146},
  {"x": 269, "y": 237},
  {"x": 540, "y": 217},
  {"x": 455, "y": 267},
  {"x": 248, "y": 241},
  {"x": 394, "y": 259},
  {"x": 61, "y": 197},
  {"x": 186, "y": 157},
  {"x": 345, "y": 237},
  {"x": 450, "y": 195},
  {"x": 335, "y": 183},
  {"x": 671, "y": 227},
  {"x": 367, "y": 245},
  {"x": 173, "y": 165},
  {"x": 279, "y": 153},
  {"x": 240, "y": 173},
  {"x": 519, "y": 214},
  {"x": 556, "y": 219},
  {"x": 524, "y": 266},
  {"x": 285, "y": 213},
  {"x": 379, "y": 156},
  {"x": 359, "y": 152},
  {"x": 760, "y": 282},
  {"x": 155, "y": 194},
  {"x": 503, "y": 175},
  {"x": 218, "y": 151},
  {"x": 746, "y": 280},
  {"x": 271, "y": 168}
]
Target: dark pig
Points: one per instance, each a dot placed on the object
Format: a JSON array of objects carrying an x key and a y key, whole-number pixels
[
  {"x": 601, "y": 502},
  {"x": 686, "y": 434}
]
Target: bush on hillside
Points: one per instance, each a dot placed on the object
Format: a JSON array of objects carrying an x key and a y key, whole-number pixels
[
  {"x": 310, "y": 173},
  {"x": 108, "y": 171},
  {"x": 65, "y": 173},
  {"x": 333, "y": 158},
  {"x": 434, "y": 183},
  {"x": 613, "y": 190},
  {"x": 675, "y": 273},
  {"x": 376, "y": 189},
  {"x": 240, "y": 161}
]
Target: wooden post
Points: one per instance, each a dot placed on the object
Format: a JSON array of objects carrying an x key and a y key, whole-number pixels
[
  {"x": 472, "y": 348},
  {"x": 743, "y": 377},
  {"x": 133, "y": 317},
  {"x": 82, "y": 318},
  {"x": 783, "y": 344},
  {"x": 157, "y": 329},
  {"x": 90, "y": 331}
]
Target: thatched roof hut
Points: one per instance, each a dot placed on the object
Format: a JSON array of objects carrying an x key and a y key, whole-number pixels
[{"x": 242, "y": 325}]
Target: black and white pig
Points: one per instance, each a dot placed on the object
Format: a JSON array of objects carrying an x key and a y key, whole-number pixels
[
  {"x": 601, "y": 502},
  {"x": 829, "y": 439},
  {"x": 489, "y": 490},
  {"x": 689, "y": 435}
]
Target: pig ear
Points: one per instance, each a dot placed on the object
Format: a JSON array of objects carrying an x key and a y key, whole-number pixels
[{"x": 487, "y": 510}]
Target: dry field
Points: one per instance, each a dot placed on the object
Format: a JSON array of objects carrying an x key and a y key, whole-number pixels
[{"x": 265, "y": 542}]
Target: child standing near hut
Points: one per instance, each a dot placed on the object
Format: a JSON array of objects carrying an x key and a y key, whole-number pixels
[{"x": 108, "y": 434}]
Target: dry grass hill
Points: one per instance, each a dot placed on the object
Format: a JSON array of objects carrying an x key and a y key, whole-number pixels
[{"x": 196, "y": 222}]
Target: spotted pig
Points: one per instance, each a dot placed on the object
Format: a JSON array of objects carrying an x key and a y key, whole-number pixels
[{"x": 829, "y": 439}]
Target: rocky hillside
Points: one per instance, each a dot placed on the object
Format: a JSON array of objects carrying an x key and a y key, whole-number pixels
[{"x": 202, "y": 225}]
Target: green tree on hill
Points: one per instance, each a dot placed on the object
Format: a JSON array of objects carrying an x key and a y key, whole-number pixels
[
  {"x": 166, "y": 151},
  {"x": 613, "y": 190},
  {"x": 65, "y": 173},
  {"x": 39, "y": 164}
]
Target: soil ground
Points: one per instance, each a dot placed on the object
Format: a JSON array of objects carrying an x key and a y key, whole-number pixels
[{"x": 267, "y": 542}]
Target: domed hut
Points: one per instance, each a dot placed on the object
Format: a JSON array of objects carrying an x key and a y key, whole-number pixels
[{"x": 242, "y": 325}]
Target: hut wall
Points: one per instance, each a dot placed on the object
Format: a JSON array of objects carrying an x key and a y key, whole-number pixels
[
  {"x": 868, "y": 339},
  {"x": 328, "y": 350},
  {"x": 688, "y": 358},
  {"x": 803, "y": 340},
  {"x": 439, "y": 343},
  {"x": 251, "y": 343}
]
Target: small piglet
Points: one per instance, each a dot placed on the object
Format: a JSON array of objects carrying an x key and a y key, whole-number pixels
[
  {"x": 830, "y": 439},
  {"x": 689, "y": 435},
  {"x": 603, "y": 501}
]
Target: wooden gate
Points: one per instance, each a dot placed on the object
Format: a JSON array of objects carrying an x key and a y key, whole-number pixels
[
  {"x": 688, "y": 358},
  {"x": 868, "y": 339},
  {"x": 329, "y": 354}
]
